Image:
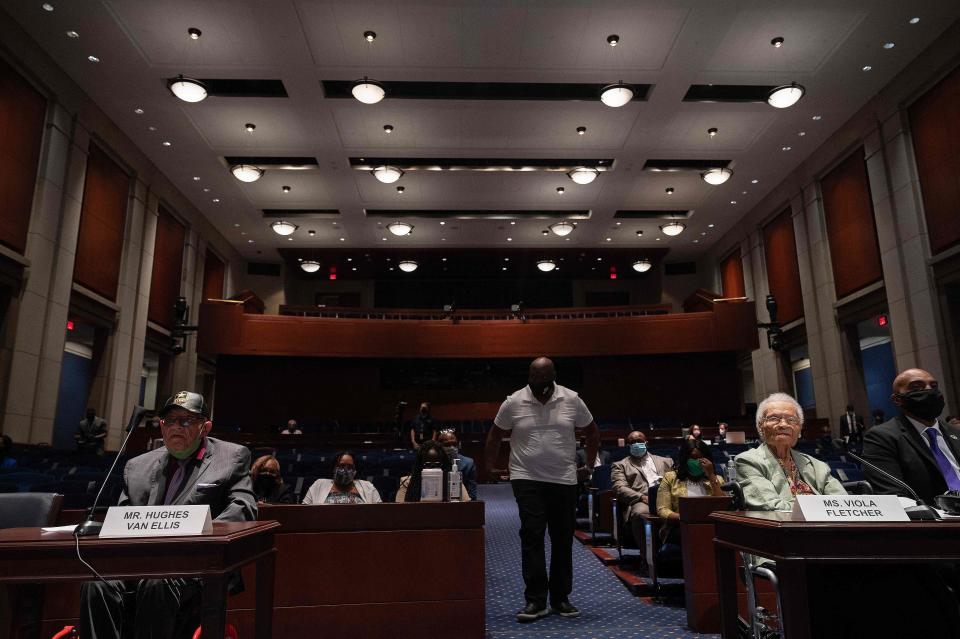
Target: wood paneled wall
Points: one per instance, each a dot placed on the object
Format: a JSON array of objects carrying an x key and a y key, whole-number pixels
[
  {"x": 851, "y": 228},
  {"x": 935, "y": 128},
  {"x": 783, "y": 271},
  {"x": 103, "y": 215},
  {"x": 22, "y": 113},
  {"x": 213, "y": 276},
  {"x": 167, "y": 266},
  {"x": 731, "y": 276}
]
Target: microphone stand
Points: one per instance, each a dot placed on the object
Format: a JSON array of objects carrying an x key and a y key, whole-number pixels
[
  {"x": 91, "y": 527},
  {"x": 920, "y": 512}
]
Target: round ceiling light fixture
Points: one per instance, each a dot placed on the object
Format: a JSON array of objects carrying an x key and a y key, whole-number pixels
[
  {"x": 642, "y": 266},
  {"x": 368, "y": 91},
  {"x": 673, "y": 228},
  {"x": 583, "y": 175},
  {"x": 407, "y": 266},
  {"x": 546, "y": 265},
  {"x": 282, "y": 227},
  {"x": 246, "y": 172},
  {"x": 616, "y": 95},
  {"x": 562, "y": 228},
  {"x": 387, "y": 174},
  {"x": 187, "y": 89},
  {"x": 785, "y": 96},
  {"x": 310, "y": 266},
  {"x": 400, "y": 228},
  {"x": 716, "y": 176}
]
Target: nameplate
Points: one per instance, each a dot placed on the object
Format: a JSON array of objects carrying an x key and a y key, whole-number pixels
[
  {"x": 156, "y": 521},
  {"x": 859, "y": 508}
]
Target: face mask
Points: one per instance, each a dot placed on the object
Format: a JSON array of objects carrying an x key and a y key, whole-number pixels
[
  {"x": 265, "y": 482},
  {"x": 694, "y": 468},
  {"x": 344, "y": 476},
  {"x": 451, "y": 451},
  {"x": 638, "y": 449},
  {"x": 541, "y": 389},
  {"x": 188, "y": 451},
  {"x": 925, "y": 404}
]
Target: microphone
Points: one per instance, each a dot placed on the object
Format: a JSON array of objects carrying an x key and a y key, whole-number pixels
[
  {"x": 91, "y": 527},
  {"x": 919, "y": 512}
]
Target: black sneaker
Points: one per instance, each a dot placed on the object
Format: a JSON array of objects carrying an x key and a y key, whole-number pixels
[
  {"x": 532, "y": 612},
  {"x": 565, "y": 609}
]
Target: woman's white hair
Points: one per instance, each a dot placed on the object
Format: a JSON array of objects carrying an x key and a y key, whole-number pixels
[{"x": 777, "y": 397}]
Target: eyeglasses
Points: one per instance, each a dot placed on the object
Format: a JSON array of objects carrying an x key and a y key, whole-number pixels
[
  {"x": 186, "y": 422},
  {"x": 772, "y": 420}
]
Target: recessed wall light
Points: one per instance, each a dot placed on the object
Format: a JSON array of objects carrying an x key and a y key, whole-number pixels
[
  {"x": 151, "y": 128},
  {"x": 93, "y": 58},
  {"x": 388, "y": 128},
  {"x": 581, "y": 130},
  {"x": 442, "y": 223},
  {"x": 73, "y": 34},
  {"x": 785, "y": 148},
  {"x": 710, "y": 226},
  {"x": 194, "y": 33},
  {"x": 801, "y": 133},
  {"x": 867, "y": 67},
  {"x": 733, "y": 201},
  {"x": 712, "y": 132},
  {"x": 914, "y": 20},
  {"x": 285, "y": 188},
  {"x": 196, "y": 178},
  {"x": 206, "y": 190},
  {"x": 889, "y": 45},
  {"x": 609, "y": 239},
  {"x": 166, "y": 143},
  {"x": 754, "y": 181},
  {"x": 777, "y": 42},
  {"x": 669, "y": 190}
]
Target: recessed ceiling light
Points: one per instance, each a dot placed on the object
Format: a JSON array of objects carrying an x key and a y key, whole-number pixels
[
  {"x": 369, "y": 36},
  {"x": 285, "y": 188},
  {"x": 72, "y": 34},
  {"x": 513, "y": 223},
  {"x": 583, "y": 175},
  {"x": 669, "y": 190},
  {"x": 817, "y": 118},
  {"x": 616, "y": 95},
  {"x": 801, "y": 133},
  {"x": 609, "y": 239},
  {"x": 639, "y": 233},
  {"x": 442, "y": 223},
  {"x": 138, "y": 111},
  {"x": 703, "y": 232},
  {"x": 710, "y": 226},
  {"x": 401, "y": 189},
  {"x": 562, "y": 228},
  {"x": 93, "y": 58},
  {"x": 786, "y": 95},
  {"x": 249, "y": 241},
  {"x": 581, "y": 130},
  {"x": 289, "y": 239},
  {"x": 246, "y": 172},
  {"x": 216, "y": 200},
  {"x": 343, "y": 239},
  {"x": 503, "y": 268},
  {"x": 914, "y": 20},
  {"x": 696, "y": 241},
  {"x": 867, "y": 67},
  {"x": 206, "y": 190},
  {"x": 785, "y": 148},
  {"x": 388, "y": 128},
  {"x": 712, "y": 131},
  {"x": 561, "y": 190},
  {"x": 657, "y": 239},
  {"x": 613, "y": 40},
  {"x": 733, "y": 201},
  {"x": 236, "y": 225},
  {"x": 509, "y": 239},
  {"x": 384, "y": 239},
  {"x": 194, "y": 33},
  {"x": 777, "y": 42},
  {"x": 889, "y": 45},
  {"x": 165, "y": 143},
  {"x": 187, "y": 89},
  {"x": 387, "y": 174},
  {"x": 743, "y": 192},
  {"x": 282, "y": 227},
  {"x": 619, "y": 223},
  {"x": 546, "y": 232},
  {"x": 754, "y": 181},
  {"x": 249, "y": 127},
  {"x": 354, "y": 268},
  {"x": 566, "y": 239},
  {"x": 716, "y": 176},
  {"x": 47, "y": 6},
  {"x": 151, "y": 128},
  {"x": 196, "y": 178},
  {"x": 311, "y": 232}
]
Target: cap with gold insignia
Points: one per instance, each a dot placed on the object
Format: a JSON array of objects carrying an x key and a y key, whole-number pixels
[{"x": 186, "y": 400}]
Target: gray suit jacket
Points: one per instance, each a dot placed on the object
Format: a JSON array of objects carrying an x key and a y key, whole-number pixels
[
  {"x": 629, "y": 484},
  {"x": 222, "y": 480},
  {"x": 765, "y": 485}
]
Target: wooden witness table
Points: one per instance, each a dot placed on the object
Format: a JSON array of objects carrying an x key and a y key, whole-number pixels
[
  {"x": 796, "y": 544},
  {"x": 28, "y": 555}
]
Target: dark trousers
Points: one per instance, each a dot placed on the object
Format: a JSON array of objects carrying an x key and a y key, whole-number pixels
[
  {"x": 545, "y": 506},
  {"x": 164, "y": 608}
]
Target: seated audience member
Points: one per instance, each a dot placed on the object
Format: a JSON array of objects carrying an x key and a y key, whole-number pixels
[
  {"x": 878, "y": 417},
  {"x": 468, "y": 469},
  {"x": 6, "y": 452},
  {"x": 268, "y": 485},
  {"x": 914, "y": 446},
  {"x": 430, "y": 452},
  {"x": 91, "y": 433},
  {"x": 422, "y": 426},
  {"x": 695, "y": 433},
  {"x": 292, "y": 428},
  {"x": 603, "y": 457},
  {"x": 344, "y": 488},
  {"x": 632, "y": 478},
  {"x": 773, "y": 473},
  {"x": 720, "y": 439},
  {"x": 169, "y": 476},
  {"x": 693, "y": 476}
]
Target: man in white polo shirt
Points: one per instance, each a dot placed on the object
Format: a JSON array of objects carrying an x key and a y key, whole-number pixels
[{"x": 542, "y": 419}]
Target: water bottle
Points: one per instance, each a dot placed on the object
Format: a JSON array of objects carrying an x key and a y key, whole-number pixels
[
  {"x": 731, "y": 470},
  {"x": 453, "y": 484},
  {"x": 431, "y": 483}
]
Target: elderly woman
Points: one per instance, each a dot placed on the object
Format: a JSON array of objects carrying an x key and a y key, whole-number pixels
[
  {"x": 344, "y": 488},
  {"x": 268, "y": 485},
  {"x": 774, "y": 473}
]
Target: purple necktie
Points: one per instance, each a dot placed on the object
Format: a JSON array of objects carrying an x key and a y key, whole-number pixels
[
  {"x": 175, "y": 482},
  {"x": 953, "y": 481}
]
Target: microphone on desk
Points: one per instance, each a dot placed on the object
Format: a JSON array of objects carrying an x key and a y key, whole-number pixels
[
  {"x": 919, "y": 512},
  {"x": 91, "y": 527}
]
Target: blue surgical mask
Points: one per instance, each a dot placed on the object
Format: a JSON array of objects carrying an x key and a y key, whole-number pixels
[{"x": 638, "y": 449}]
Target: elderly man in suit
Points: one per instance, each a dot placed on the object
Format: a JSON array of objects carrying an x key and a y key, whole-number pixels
[
  {"x": 632, "y": 478},
  {"x": 191, "y": 469},
  {"x": 914, "y": 446}
]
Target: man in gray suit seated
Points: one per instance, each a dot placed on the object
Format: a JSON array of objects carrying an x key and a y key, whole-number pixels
[
  {"x": 191, "y": 469},
  {"x": 632, "y": 477}
]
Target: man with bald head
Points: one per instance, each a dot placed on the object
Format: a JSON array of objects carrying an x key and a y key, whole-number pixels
[
  {"x": 914, "y": 446},
  {"x": 542, "y": 419},
  {"x": 632, "y": 478}
]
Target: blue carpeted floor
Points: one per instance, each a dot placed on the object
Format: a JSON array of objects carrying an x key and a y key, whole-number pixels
[{"x": 608, "y": 610}]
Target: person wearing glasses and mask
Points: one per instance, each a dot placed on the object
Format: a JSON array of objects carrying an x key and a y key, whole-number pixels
[
  {"x": 344, "y": 488},
  {"x": 268, "y": 484},
  {"x": 773, "y": 473},
  {"x": 191, "y": 469}
]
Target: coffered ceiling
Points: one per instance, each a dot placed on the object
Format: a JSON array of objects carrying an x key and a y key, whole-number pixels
[{"x": 669, "y": 45}]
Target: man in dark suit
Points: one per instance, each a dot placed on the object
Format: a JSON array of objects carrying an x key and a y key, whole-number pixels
[
  {"x": 191, "y": 469},
  {"x": 466, "y": 466},
  {"x": 914, "y": 446},
  {"x": 851, "y": 426}
]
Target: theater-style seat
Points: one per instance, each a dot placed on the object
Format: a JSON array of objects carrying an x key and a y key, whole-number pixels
[{"x": 29, "y": 510}]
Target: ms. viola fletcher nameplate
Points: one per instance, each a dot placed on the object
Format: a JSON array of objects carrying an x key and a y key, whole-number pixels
[
  {"x": 156, "y": 521},
  {"x": 850, "y": 508}
]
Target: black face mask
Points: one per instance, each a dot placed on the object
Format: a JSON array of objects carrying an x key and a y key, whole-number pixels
[
  {"x": 265, "y": 483},
  {"x": 343, "y": 477},
  {"x": 541, "y": 389},
  {"x": 925, "y": 404}
]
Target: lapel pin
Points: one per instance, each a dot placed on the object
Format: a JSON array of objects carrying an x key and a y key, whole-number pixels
[{"x": 952, "y": 436}]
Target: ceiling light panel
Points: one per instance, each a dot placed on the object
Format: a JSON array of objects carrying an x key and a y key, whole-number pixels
[
  {"x": 467, "y": 91},
  {"x": 238, "y": 88},
  {"x": 493, "y": 214},
  {"x": 518, "y": 165}
]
